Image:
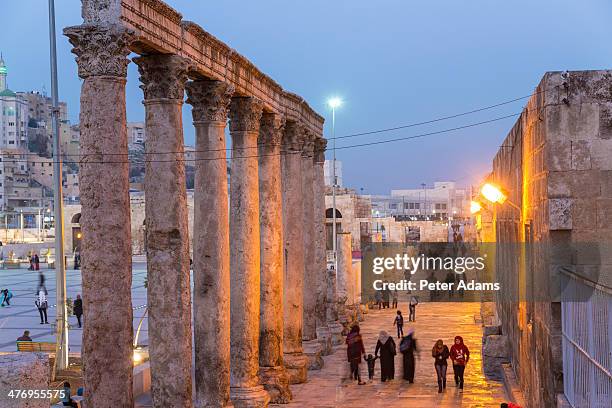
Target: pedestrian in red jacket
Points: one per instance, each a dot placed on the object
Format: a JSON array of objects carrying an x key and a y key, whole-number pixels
[{"x": 460, "y": 355}]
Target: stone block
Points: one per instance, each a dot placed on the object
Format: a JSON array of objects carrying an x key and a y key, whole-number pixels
[
  {"x": 24, "y": 371},
  {"x": 583, "y": 213},
  {"x": 601, "y": 154},
  {"x": 581, "y": 154},
  {"x": 604, "y": 213},
  {"x": 491, "y": 330},
  {"x": 496, "y": 346},
  {"x": 559, "y": 157},
  {"x": 560, "y": 213},
  {"x": 577, "y": 121},
  {"x": 313, "y": 351},
  {"x": 605, "y": 182}
]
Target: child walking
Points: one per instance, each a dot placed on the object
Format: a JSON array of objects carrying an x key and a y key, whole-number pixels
[{"x": 371, "y": 360}]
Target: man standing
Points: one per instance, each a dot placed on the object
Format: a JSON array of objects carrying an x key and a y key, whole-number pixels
[{"x": 412, "y": 308}]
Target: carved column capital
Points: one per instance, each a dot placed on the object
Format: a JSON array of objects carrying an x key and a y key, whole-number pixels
[
  {"x": 210, "y": 100},
  {"x": 271, "y": 130},
  {"x": 100, "y": 50},
  {"x": 308, "y": 145},
  {"x": 293, "y": 137},
  {"x": 163, "y": 76},
  {"x": 320, "y": 144},
  {"x": 245, "y": 114}
]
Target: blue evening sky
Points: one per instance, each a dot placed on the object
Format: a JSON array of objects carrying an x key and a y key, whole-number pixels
[{"x": 393, "y": 62}]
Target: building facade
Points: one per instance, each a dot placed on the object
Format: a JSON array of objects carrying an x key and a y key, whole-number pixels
[{"x": 13, "y": 114}]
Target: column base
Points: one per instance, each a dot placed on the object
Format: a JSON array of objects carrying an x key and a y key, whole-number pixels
[
  {"x": 335, "y": 330},
  {"x": 296, "y": 365},
  {"x": 313, "y": 350},
  {"x": 276, "y": 382},
  {"x": 324, "y": 339},
  {"x": 249, "y": 397}
]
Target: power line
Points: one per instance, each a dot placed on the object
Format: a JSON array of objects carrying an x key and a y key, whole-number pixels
[
  {"x": 84, "y": 162},
  {"x": 391, "y": 129}
]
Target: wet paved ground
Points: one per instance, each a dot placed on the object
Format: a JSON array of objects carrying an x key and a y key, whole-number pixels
[{"x": 327, "y": 388}]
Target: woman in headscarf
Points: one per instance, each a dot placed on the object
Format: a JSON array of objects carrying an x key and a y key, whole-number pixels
[
  {"x": 460, "y": 355},
  {"x": 408, "y": 347},
  {"x": 440, "y": 354},
  {"x": 386, "y": 346},
  {"x": 354, "y": 351}
]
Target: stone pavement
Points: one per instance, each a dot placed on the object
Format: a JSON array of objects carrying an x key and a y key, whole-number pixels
[{"x": 326, "y": 388}]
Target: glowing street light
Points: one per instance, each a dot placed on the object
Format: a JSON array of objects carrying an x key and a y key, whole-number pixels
[
  {"x": 334, "y": 102},
  {"x": 493, "y": 193},
  {"x": 496, "y": 194},
  {"x": 475, "y": 207}
]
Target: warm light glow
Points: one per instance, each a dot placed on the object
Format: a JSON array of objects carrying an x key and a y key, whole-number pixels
[
  {"x": 138, "y": 357},
  {"x": 493, "y": 193},
  {"x": 79, "y": 235},
  {"x": 334, "y": 102},
  {"x": 475, "y": 207}
]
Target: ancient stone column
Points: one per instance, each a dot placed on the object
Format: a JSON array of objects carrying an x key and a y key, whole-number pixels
[
  {"x": 245, "y": 389},
  {"x": 211, "y": 265},
  {"x": 291, "y": 165},
  {"x": 320, "y": 255},
  {"x": 273, "y": 373},
  {"x": 312, "y": 348},
  {"x": 106, "y": 246},
  {"x": 309, "y": 329},
  {"x": 163, "y": 80},
  {"x": 345, "y": 266}
]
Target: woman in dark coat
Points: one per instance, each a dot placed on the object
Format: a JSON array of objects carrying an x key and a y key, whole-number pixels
[
  {"x": 408, "y": 347},
  {"x": 440, "y": 353},
  {"x": 354, "y": 351},
  {"x": 386, "y": 346},
  {"x": 78, "y": 308}
]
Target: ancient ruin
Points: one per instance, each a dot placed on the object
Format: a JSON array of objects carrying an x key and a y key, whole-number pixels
[{"x": 250, "y": 241}]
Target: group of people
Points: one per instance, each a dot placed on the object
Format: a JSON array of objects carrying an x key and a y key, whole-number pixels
[
  {"x": 34, "y": 263},
  {"x": 386, "y": 350}
]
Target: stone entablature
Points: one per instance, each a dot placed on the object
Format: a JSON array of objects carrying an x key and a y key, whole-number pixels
[{"x": 161, "y": 29}]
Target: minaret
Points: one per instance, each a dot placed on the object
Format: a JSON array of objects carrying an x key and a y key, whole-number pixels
[{"x": 3, "y": 72}]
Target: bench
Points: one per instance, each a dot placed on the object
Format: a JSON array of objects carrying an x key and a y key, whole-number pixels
[{"x": 35, "y": 346}]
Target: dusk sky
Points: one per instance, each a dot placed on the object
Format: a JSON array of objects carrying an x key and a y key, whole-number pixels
[{"x": 393, "y": 62}]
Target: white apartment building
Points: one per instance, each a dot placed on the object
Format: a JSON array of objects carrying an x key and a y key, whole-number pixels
[
  {"x": 328, "y": 169},
  {"x": 13, "y": 115}
]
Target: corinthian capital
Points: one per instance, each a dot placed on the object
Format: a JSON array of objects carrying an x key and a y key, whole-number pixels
[
  {"x": 309, "y": 144},
  {"x": 163, "y": 76},
  {"x": 245, "y": 114},
  {"x": 293, "y": 137},
  {"x": 210, "y": 100},
  {"x": 271, "y": 130},
  {"x": 100, "y": 50},
  {"x": 319, "y": 150}
]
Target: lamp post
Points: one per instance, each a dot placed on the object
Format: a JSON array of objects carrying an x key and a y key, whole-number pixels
[
  {"x": 61, "y": 319},
  {"x": 333, "y": 104}
]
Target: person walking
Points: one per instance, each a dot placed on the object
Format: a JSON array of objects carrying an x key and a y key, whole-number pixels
[
  {"x": 41, "y": 304},
  {"x": 440, "y": 353},
  {"x": 378, "y": 298},
  {"x": 399, "y": 322},
  {"x": 395, "y": 297},
  {"x": 386, "y": 346},
  {"x": 354, "y": 352},
  {"x": 41, "y": 282},
  {"x": 408, "y": 346},
  {"x": 77, "y": 308},
  {"x": 36, "y": 262},
  {"x": 386, "y": 295},
  {"x": 371, "y": 361},
  {"x": 412, "y": 308},
  {"x": 31, "y": 267},
  {"x": 7, "y": 295},
  {"x": 460, "y": 355}
]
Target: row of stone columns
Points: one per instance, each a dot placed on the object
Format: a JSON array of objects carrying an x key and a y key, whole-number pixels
[{"x": 248, "y": 334}]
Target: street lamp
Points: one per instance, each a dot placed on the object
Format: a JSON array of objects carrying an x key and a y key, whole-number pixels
[
  {"x": 334, "y": 103},
  {"x": 496, "y": 194},
  {"x": 475, "y": 207}
]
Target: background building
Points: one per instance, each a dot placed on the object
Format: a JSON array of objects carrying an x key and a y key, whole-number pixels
[
  {"x": 13, "y": 114},
  {"x": 328, "y": 170}
]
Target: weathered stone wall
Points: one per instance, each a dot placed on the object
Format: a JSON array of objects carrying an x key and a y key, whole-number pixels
[{"x": 556, "y": 165}]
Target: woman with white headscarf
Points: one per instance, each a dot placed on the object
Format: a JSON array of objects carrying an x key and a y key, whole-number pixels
[{"x": 386, "y": 346}]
